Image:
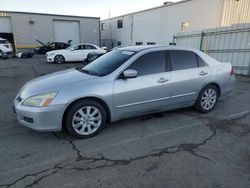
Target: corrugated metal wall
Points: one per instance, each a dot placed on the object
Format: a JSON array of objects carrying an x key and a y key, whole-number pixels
[
  {"x": 235, "y": 12},
  {"x": 226, "y": 44}
]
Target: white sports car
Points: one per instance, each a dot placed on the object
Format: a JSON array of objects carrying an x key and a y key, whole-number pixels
[{"x": 77, "y": 52}]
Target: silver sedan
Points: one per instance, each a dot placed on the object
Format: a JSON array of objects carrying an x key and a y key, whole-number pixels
[{"x": 124, "y": 83}]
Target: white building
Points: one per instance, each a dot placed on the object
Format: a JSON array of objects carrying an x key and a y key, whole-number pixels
[
  {"x": 23, "y": 28},
  {"x": 158, "y": 25}
]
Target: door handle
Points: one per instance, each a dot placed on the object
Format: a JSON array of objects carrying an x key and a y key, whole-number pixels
[
  {"x": 162, "y": 80},
  {"x": 202, "y": 73}
]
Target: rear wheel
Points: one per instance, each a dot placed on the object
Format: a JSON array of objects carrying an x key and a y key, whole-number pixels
[
  {"x": 85, "y": 119},
  {"x": 207, "y": 99},
  {"x": 92, "y": 56},
  {"x": 59, "y": 59}
]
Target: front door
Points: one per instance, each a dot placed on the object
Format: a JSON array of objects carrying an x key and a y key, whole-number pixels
[{"x": 149, "y": 91}]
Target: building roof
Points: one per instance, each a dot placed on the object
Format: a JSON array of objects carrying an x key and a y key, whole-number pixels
[
  {"x": 47, "y": 14},
  {"x": 161, "y": 6}
]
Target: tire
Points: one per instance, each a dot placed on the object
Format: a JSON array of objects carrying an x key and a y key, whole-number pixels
[
  {"x": 92, "y": 56},
  {"x": 59, "y": 59},
  {"x": 207, "y": 99},
  {"x": 85, "y": 119}
]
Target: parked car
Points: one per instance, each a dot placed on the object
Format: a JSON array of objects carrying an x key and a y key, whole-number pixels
[
  {"x": 50, "y": 46},
  {"x": 93, "y": 56},
  {"x": 124, "y": 83},
  {"x": 23, "y": 55},
  {"x": 77, "y": 52},
  {"x": 5, "y": 46},
  {"x": 3, "y": 55}
]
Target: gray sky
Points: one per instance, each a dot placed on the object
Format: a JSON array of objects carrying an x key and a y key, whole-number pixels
[{"x": 95, "y": 8}]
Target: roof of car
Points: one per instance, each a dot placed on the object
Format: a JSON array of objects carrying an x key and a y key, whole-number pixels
[
  {"x": 141, "y": 48},
  {"x": 158, "y": 47}
]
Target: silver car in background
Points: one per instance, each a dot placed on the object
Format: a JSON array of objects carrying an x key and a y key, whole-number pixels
[{"x": 124, "y": 83}]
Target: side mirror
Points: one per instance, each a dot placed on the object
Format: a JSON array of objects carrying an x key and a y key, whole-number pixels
[
  {"x": 72, "y": 49},
  {"x": 129, "y": 73}
]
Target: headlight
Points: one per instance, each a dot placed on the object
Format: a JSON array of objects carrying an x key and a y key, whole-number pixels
[
  {"x": 42, "y": 100},
  {"x": 50, "y": 54}
]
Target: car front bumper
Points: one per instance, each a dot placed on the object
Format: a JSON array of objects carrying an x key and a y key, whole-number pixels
[
  {"x": 44, "y": 119},
  {"x": 50, "y": 59}
]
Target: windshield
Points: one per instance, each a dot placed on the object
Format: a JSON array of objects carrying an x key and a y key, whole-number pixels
[
  {"x": 3, "y": 42},
  {"x": 69, "y": 47},
  {"x": 107, "y": 63}
]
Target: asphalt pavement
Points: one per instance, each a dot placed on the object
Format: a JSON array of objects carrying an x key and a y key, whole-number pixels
[{"x": 180, "y": 148}]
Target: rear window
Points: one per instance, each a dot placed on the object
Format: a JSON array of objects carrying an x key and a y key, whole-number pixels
[
  {"x": 201, "y": 62},
  {"x": 181, "y": 59},
  {"x": 89, "y": 47}
]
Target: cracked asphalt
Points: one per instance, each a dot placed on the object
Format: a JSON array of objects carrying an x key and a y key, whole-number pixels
[{"x": 180, "y": 148}]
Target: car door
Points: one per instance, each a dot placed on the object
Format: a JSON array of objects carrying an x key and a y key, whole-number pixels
[
  {"x": 188, "y": 75},
  {"x": 75, "y": 53},
  {"x": 89, "y": 48},
  {"x": 147, "y": 92}
]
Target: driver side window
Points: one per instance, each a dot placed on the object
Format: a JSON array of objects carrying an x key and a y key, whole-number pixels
[{"x": 150, "y": 63}]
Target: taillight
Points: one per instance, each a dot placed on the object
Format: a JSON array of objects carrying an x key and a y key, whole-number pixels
[{"x": 232, "y": 71}]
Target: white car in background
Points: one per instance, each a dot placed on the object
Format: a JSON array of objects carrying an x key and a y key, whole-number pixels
[
  {"x": 77, "y": 52},
  {"x": 5, "y": 46}
]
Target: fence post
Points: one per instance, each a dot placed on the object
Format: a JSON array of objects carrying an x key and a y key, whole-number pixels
[{"x": 201, "y": 43}]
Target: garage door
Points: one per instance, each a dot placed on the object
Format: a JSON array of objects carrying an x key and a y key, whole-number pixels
[
  {"x": 5, "y": 25},
  {"x": 67, "y": 30}
]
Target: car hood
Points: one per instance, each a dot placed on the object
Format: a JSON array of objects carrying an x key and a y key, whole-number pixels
[{"x": 53, "y": 82}]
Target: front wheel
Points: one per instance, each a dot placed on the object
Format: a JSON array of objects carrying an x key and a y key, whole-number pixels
[
  {"x": 59, "y": 59},
  {"x": 85, "y": 119},
  {"x": 207, "y": 99}
]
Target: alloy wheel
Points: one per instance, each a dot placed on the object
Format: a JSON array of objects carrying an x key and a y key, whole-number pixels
[
  {"x": 86, "y": 120},
  {"x": 59, "y": 59},
  {"x": 208, "y": 99}
]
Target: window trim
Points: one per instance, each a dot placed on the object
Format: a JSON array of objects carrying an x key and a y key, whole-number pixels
[
  {"x": 139, "y": 43},
  {"x": 102, "y": 26},
  {"x": 120, "y": 21},
  {"x": 196, "y": 57},
  {"x": 118, "y": 43},
  {"x": 151, "y": 43}
]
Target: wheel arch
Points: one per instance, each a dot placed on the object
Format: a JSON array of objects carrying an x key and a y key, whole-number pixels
[
  {"x": 59, "y": 55},
  {"x": 96, "y": 99},
  {"x": 214, "y": 84}
]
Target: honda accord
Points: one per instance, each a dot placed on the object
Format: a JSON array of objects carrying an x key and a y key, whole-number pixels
[{"x": 123, "y": 83}]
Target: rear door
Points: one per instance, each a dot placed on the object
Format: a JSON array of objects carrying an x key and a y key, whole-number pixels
[
  {"x": 188, "y": 75},
  {"x": 89, "y": 48},
  {"x": 147, "y": 92}
]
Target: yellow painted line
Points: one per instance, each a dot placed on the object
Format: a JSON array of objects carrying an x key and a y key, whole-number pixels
[{"x": 27, "y": 46}]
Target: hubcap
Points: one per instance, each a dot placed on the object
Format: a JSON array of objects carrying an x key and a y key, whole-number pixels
[
  {"x": 59, "y": 59},
  {"x": 208, "y": 99},
  {"x": 87, "y": 120}
]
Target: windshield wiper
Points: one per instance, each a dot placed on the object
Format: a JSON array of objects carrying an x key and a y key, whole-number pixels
[
  {"x": 86, "y": 71},
  {"x": 82, "y": 70}
]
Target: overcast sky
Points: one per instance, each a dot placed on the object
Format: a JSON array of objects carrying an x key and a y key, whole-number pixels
[{"x": 95, "y": 8}]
